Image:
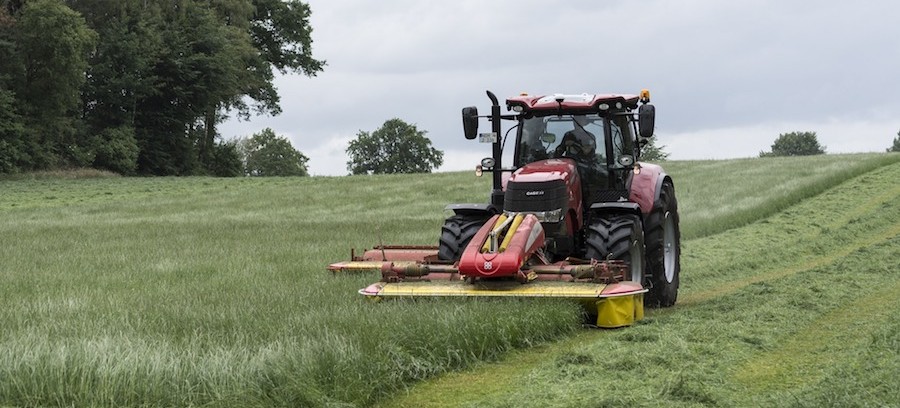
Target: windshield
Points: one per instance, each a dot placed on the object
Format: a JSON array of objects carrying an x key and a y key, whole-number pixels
[{"x": 576, "y": 136}]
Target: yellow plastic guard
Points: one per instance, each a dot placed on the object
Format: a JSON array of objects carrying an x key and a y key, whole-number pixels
[
  {"x": 620, "y": 311},
  {"x": 639, "y": 307}
]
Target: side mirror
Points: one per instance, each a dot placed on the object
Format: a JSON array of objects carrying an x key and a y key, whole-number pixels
[
  {"x": 548, "y": 138},
  {"x": 470, "y": 121},
  {"x": 646, "y": 120}
]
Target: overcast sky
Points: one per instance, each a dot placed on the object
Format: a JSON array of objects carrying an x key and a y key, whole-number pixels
[{"x": 726, "y": 77}]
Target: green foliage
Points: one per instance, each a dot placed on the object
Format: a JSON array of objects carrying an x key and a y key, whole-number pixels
[
  {"x": 116, "y": 150},
  {"x": 395, "y": 147},
  {"x": 50, "y": 47},
  {"x": 53, "y": 43},
  {"x": 896, "y": 146},
  {"x": 227, "y": 160},
  {"x": 119, "y": 75},
  {"x": 270, "y": 155},
  {"x": 196, "y": 66},
  {"x": 281, "y": 31},
  {"x": 795, "y": 144},
  {"x": 170, "y": 71},
  {"x": 653, "y": 153},
  {"x": 12, "y": 134}
]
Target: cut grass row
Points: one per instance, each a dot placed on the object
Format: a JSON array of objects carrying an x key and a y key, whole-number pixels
[
  {"x": 161, "y": 292},
  {"x": 715, "y": 196},
  {"x": 797, "y": 310}
]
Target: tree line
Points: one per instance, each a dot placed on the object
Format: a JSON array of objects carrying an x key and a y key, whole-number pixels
[
  {"x": 895, "y": 147},
  {"x": 139, "y": 86},
  {"x": 806, "y": 144}
]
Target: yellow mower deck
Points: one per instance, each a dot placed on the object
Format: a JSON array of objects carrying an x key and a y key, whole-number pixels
[{"x": 615, "y": 305}]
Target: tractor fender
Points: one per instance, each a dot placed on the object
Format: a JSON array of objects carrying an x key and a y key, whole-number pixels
[
  {"x": 646, "y": 185},
  {"x": 472, "y": 209},
  {"x": 616, "y": 207},
  {"x": 659, "y": 183}
]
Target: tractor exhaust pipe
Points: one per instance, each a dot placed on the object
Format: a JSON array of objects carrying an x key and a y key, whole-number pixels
[
  {"x": 496, "y": 129},
  {"x": 470, "y": 127}
]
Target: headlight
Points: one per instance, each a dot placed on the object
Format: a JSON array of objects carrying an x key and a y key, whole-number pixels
[{"x": 549, "y": 216}]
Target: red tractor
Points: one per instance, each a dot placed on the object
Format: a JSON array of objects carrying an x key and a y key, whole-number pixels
[{"x": 574, "y": 216}]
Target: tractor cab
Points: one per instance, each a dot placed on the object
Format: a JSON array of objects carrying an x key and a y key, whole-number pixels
[
  {"x": 602, "y": 134},
  {"x": 601, "y": 147},
  {"x": 572, "y": 152}
]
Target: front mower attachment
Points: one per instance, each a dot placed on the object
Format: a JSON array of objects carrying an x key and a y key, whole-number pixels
[
  {"x": 608, "y": 299},
  {"x": 505, "y": 259}
]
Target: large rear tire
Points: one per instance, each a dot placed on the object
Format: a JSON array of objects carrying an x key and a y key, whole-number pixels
[
  {"x": 456, "y": 233},
  {"x": 663, "y": 249},
  {"x": 618, "y": 237}
]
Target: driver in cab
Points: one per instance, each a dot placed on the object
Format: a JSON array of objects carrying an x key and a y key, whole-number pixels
[
  {"x": 581, "y": 145},
  {"x": 578, "y": 143}
]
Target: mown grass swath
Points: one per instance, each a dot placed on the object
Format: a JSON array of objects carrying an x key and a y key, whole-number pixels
[
  {"x": 714, "y": 196},
  {"x": 190, "y": 291}
]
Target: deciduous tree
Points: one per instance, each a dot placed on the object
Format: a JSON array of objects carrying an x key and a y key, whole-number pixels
[
  {"x": 116, "y": 150},
  {"x": 651, "y": 152},
  {"x": 227, "y": 160},
  {"x": 12, "y": 135},
  {"x": 46, "y": 69},
  {"x": 268, "y": 154},
  {"x": 395, "y": 147},
  {"x": 795, "y": 144},
  {"x": 896, "y": 146}
]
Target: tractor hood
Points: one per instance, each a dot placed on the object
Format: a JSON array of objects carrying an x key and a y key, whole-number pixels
[
  {"x": 548, "y": 188},
  {"x": 546, "y": 170}
]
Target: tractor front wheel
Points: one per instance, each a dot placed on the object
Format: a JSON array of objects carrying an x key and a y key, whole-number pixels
[
  {"x": 456, "y": 233},
  {"x": 618, "y": 237},
  {"x": 663, "y": 249}
]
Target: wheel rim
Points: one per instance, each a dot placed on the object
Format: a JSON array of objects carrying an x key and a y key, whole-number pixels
[
  {"x": 670, "y": 247},
  {"x": 637, "y": 260}
]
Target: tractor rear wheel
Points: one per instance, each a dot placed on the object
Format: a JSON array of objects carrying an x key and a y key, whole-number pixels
[
  {"x": 617, "y": 237},
  {"x": 456, "y": 233},
  {"x": 663, "y": 249}
]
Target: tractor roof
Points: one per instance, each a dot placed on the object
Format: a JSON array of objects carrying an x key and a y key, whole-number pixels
[{"x": 583, "y": 103}]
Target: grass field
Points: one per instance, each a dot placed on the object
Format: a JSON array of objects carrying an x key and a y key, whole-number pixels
[
  {"x": 200, "y": 291},
  {"x": 798, "y": 309}
]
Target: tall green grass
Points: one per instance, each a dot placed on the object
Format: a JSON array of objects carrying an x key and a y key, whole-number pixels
[{"x": 201, "y": 291}]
